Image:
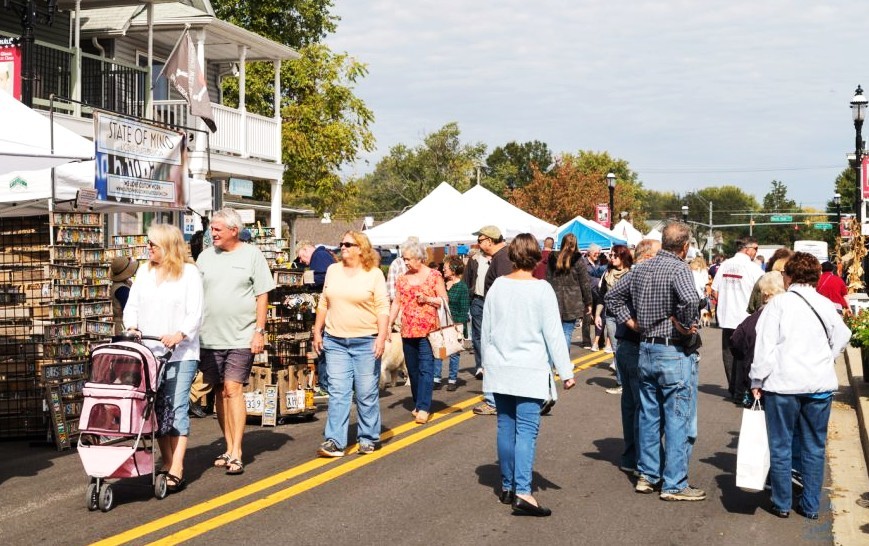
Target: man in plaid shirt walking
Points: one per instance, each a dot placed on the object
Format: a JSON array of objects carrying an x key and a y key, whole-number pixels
[{"x": 662, "y": 292}]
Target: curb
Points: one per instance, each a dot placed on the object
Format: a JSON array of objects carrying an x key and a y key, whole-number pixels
[{"x": 860, "y": 389}]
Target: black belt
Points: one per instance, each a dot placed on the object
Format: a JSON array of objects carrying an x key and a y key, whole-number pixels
[{"x": 663, "y": 341}]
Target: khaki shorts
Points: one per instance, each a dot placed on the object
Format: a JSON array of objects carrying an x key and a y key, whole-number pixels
[{"x": 219, "y": 365}]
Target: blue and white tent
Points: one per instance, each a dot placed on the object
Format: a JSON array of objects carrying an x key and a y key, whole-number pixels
[{"x": 588, "y": 232}]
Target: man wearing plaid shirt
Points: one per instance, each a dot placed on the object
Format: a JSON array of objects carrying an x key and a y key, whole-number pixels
[{"x": 662, "y": 292}]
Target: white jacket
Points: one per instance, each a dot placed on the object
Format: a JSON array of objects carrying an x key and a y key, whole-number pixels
[{"x": 793, "y": 354}]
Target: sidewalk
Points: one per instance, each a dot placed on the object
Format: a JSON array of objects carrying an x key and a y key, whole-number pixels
[{"x": 848, "y": 453}]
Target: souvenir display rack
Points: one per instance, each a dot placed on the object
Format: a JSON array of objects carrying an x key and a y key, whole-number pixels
[
  {"x": 273, "y": 249},
  {"x": 55, "y": 306},
  {"x": 288, "y": 360}
]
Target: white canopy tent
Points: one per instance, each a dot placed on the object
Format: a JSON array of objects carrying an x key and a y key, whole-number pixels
[
  {"x": 27, "y": 142},
  {"x": 626, "y": 230},
  {"x": 429, "y": 220},
  {"x": 480, "y": 207}
]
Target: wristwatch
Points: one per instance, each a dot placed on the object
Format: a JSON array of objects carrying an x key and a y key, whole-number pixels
[{"x": 260, "y": 330}]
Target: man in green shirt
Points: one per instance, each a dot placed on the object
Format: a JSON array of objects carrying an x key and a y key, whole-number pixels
[{"x": 236, "y": 281}]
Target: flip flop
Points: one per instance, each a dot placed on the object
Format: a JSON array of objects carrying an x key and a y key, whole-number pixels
[
  {"x": 236, "y": 463},
  {"x": 222, "y": 460},
  {"x": 178, "y": 485}
]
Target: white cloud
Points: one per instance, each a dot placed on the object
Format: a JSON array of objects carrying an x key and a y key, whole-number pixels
[{"x": 666, "y": 85}]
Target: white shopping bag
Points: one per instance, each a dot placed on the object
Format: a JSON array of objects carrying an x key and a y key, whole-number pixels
[{"x": 752, "y": 455}]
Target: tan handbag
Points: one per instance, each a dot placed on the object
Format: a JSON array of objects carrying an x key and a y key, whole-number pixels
[{"x": 446, "y": 340}]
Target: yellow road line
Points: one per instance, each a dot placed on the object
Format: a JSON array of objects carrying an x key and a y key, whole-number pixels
[
  {"x": 584, "y": 362},
  {"x": 292, "y": 491}
]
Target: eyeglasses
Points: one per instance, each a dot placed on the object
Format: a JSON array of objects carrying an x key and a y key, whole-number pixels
[
  {"x": 481, "y": 239},
  {"x": 344, "y": 244},
  {"x": 752, "y": 247},
  {"x": 153, "y": 245}
]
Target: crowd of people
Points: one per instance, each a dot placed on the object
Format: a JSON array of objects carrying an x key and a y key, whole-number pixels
[{"x": 780, "y": 333}]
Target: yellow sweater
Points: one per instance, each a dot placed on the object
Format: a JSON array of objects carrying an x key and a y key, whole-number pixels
[{"x": 353, "y": 302}]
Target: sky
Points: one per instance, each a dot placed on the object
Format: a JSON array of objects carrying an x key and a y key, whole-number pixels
[{"x": 691, "y": 94}]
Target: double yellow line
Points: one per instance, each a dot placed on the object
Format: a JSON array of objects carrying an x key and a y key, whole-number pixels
[{"x": 439, "y": 424}]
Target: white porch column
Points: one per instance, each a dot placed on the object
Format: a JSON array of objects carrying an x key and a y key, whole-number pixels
[
  {"x": 76, "y": 68},
  {"x": 149, "y": 82},
  {"x": 278, "y": 89},
  {"x": 277, "y": 203},
  {"x": 242, "y": 55}
]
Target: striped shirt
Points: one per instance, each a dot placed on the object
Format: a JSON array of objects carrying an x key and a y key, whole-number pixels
[{"x": 659, "y": 288}]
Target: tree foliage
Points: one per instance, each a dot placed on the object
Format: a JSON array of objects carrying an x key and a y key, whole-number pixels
[
  {"x": 406, "y": 175},
  {"x": 296, "y": 23},
  {"x": 575, "y": 185},
  {"x": 511, "y": 165}
]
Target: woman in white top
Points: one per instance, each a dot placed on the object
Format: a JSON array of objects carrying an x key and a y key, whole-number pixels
[
  {"x": 521, "y": 335},
  {"x": 166, "y": 302}
]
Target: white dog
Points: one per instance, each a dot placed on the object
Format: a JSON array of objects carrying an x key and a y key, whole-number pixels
[{"x": 392, "y": 364}]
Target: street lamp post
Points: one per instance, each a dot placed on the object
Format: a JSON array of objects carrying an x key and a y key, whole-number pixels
[
  {"x": 858, "y": 112},
  {"x": 685, "y": 213},
  {"x": 30, "y": 15},
  {"x": 837, "y": 200},
  {"x": 611, "y": 184}
]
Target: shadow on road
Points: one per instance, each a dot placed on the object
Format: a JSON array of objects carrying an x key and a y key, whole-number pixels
[
  {"x": 608, "y": 449},
  {"x": 490, "y": 476},
  {"x": 714, "y": 390},
  {"x": 733, "y": 499},
  {"x": 24, "y": 459}
]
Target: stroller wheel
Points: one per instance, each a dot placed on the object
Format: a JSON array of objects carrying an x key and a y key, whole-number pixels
[
  {"x": 161, "y": 488},
  {"x": 106, "y": 497},
  {"x": 91, "y": 498}
]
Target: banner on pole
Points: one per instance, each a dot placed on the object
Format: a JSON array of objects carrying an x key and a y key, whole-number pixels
[
  {"x": 864, "y": 178},
  {"x": 138, "y": 162},
  {"x": 602, "y": 215},
  {"x": 10, "y": 67}
]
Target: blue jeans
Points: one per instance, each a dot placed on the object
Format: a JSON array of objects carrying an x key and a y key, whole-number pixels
[
  {"x": 518, "y": 426},
  {"x": 785, "y": 414},
  {"x": 177, "y": 379},
  {"x": 454, "y": 367},
  {"x": 628, "y": 366},
  {"x": 352, "y": 366},
  {"x": 610, "y": 323},
  {"x": 420, "y": 361},
  {"x": 476, "y": 330},
  {"x": 668, "y": 393},
  {"x": 322, "y": 372},
  {"x": 569, "y": 326}
]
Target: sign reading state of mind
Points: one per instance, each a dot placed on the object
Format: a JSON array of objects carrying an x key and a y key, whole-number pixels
[{"x": 139, "y": 163}]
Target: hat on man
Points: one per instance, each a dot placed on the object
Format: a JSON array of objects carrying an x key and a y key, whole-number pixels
[
  {"x": 492, "y": 232},
  {"x": 123, "y": 267}
]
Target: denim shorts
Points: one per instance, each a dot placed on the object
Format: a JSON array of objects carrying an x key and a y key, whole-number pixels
[
  {"x": 177, "y": 378},
  {"x": 219, "y": 365}
]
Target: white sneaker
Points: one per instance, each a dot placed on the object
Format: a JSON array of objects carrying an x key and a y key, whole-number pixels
[{"x": 614, "y": 390}]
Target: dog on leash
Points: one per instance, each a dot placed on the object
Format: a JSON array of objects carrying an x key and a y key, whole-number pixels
[
  {"x": 705, "y": 318},
  {"x": 392, "y": 365}
]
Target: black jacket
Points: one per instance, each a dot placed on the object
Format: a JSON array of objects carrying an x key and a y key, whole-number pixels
[{"x": 572, "y": 287}]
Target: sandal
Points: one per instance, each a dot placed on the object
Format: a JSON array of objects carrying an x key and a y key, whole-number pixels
[
  {"x": 239, "y": 468},
  {"x": 176, "y": 484},
  {"x": 222, "y": 460}
]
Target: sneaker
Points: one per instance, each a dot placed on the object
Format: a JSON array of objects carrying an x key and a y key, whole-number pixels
[
  {"x": 437, "y": 385},
  {"x": 614, "y": 390},
  {"x": 608, "y": 349},
  {"x": 366, "y": 448},
  {"x": 320, "y": 393},
  {"x": 797, "y": 478},
  {"x": 595, "y": 347},
  {"x": 451, "y": 386},
  {"x": 485, "y": 409},
  {"x": 644, "y": 486},
  {"x": 479, "y": 373},
  {"x": 330, "y": 449},
  {"x": 687, "y": 494}
]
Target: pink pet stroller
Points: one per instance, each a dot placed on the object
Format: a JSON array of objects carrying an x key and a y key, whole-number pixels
[{"x": 118, "y": 423}]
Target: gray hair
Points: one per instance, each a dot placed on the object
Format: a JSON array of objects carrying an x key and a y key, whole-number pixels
[
  {"x": 413, "y": 247},
  {"x": 229, "y": 217},
  {"x": 594, "y": 247},
  {"x": 770, "y": 284},
  {"x": 675, "y": 236}
]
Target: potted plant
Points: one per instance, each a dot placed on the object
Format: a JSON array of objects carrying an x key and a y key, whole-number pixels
[{"x": 859, "y": 325}]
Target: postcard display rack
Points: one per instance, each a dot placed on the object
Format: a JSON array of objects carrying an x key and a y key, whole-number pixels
[
  {"x": 282, "y": 380},
  {"x": 54, "y": 306}
]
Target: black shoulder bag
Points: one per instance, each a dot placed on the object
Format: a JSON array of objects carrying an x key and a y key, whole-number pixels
[{"x": 823, "y": 324}]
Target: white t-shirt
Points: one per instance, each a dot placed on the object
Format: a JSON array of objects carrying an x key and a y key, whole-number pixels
[{"x": 734, "y": 282}]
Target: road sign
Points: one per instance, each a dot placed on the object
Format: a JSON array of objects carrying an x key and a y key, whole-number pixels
[
  {"x": 823, "y": 226},
  {"x": 781, "y": 218}
]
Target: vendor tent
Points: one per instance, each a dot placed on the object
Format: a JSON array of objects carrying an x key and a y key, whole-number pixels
[
  {"x": 27, "y": 142},
  {"x": 628, "y": 232},
  {"x": 587, "y": 233},
  {"x": 480, "y": 207},
  {"x": 431, "y": 220}
]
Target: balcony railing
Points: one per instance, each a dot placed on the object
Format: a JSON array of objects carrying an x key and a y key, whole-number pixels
[{"x": 238, "y": 133}]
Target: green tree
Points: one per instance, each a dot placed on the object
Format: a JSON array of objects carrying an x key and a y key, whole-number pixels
[
  {"x": 406, "y": 175},
  {"x": 295, "y": 23},
  {"x": 777, "y": 201},
  {"x": 512, "y": 164}
]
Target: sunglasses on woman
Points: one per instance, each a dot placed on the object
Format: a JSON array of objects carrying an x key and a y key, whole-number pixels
[{"x": 344, "y": 244}]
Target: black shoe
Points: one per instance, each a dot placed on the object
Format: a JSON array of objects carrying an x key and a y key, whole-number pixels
[
  {"x": 522, "y": 507},
  {"x": 437, "y": 385},
  {"x": 784, "y": 514},
  {"x": 805, "y": 514},
  {"x": 197, "y": 411},
  {"x": 507, "y": 497},
  {"x": 546, "y": 408},
  {"x": 452, "y": 386},
  {"x": 479, "y": 373}
]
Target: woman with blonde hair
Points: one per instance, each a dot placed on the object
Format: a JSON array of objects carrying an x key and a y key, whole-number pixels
[
  {"x": 353, "y": 310},
  {"x": 166, "y": 302}
]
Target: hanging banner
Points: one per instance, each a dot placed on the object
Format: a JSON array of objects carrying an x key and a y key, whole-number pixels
[
  {"x": 10, "y": 67},
  {"x": 864, "y": 178},
  {"x": 602, "y": 215},
  {"x": 138, "y": 162}
]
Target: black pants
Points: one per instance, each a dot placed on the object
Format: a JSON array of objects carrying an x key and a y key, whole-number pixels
[{"x": 732, "y": 366}]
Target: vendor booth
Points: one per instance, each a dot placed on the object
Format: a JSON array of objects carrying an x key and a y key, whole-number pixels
[{"x": 588, "y": 233}]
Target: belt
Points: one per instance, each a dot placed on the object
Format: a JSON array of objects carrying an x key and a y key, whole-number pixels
[{"x": 663, "y": 341}]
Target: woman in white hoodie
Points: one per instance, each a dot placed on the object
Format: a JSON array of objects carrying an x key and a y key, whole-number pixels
[{"x": 799, "y": 335}]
